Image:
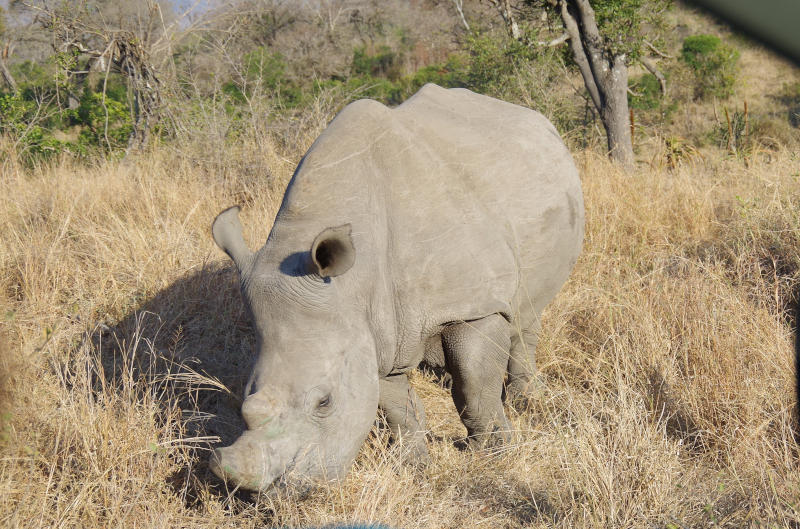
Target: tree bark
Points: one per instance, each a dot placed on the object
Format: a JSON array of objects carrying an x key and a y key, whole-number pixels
[
  {"x": 615, "y": 115},
  {"x": 605, "y": 76},
  {"x": 7, "y": 77}
]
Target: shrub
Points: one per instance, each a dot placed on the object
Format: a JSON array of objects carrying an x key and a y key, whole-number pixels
[
  {"x": 384, "y": 63},
  {"x": 19, "y": 119},
  {"x": 494, "y": 63},
  {"x": 104, "y": 121},
  {"x": 266, "y": 71},
  {"x": 646, "y": 93},
  {"x": 713, "y": 64}
]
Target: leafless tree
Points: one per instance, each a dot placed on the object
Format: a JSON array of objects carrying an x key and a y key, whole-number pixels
[
  {"x": 459, "y": 5},
  {"x": 120, "y": 38}
]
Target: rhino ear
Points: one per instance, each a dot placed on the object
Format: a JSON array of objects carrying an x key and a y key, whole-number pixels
[
  {"x": 333, "y": 252},
  {"x": 227, "y": 233}
]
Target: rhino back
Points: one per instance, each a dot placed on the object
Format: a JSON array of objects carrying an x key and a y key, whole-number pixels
[
  {"x": 486, "y": 209},
  {"x": 461, "y": 206}
]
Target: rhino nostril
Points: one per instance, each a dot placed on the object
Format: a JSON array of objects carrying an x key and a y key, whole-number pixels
[{"x": 254, "y": 413}]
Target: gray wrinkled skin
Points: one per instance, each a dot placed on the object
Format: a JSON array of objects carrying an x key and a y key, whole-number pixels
[{"x": 436, "y": 231}]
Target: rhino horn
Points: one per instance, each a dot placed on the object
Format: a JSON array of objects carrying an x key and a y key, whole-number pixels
[
  {"x": 227, "y": 233},
  {"x": 333, "y": 252}
]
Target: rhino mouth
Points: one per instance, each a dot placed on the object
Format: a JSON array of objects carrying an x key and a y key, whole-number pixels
[{"x": 226, "y": 469}]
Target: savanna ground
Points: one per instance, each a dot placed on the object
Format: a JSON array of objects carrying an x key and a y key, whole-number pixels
[{"x": 668, "y": 356}]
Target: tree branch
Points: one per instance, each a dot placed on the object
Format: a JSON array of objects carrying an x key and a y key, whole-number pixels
[
  {"x": 4, "y": 71},
  {"x": 504, "y": 7},
  {"x": 579, "y": 54},
  {"x": 556, "y": 41},
  {"x": 460, "y": 8},
  {"x": 592, "y": 41},
  {"x": 653, "y": 69},
  {"x": 656, "y": 50},
  {"x": 7, "y": 77}
]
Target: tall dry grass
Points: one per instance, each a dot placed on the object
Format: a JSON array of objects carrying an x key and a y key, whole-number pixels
[{"x": 668, "y": 358}]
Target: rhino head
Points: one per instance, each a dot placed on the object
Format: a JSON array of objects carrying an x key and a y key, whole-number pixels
[{"x": 313, "y": 393}]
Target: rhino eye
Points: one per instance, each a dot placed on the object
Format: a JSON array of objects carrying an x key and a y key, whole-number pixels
[{"x": 324, "y": 406}]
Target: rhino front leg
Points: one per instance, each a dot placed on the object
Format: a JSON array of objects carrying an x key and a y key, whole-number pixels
[
  {"x": 524, "y": 381},
  {"x": 476, "y": 353},
  {"x": 405, "y": 415}
]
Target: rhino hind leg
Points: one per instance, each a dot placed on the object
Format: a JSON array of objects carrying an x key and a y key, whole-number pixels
[
  {"x": 405, "y": 416},
  {"x": 523, "y": 381},
  {"x": 477, "y": 354}
]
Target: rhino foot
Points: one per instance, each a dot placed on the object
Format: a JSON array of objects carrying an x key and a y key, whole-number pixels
[
  {"x": 522, "y": 394},
  {"x": 406, "y": 418}
]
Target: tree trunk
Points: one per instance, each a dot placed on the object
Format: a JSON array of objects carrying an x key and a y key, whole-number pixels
[
  {"x": 604, "y": 74},
  {"x": 616, "y": 116},
  {"x": 6, "y": 74},
  {"x": 504, "y": 7}
]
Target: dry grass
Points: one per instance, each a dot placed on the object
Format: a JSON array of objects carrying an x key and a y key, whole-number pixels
[{"x": 668, "y": 358}]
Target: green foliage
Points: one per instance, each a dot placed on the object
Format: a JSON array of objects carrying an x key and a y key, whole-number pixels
[
  {"x": 452, "y": 74},
  {"x": 494, "y": 63},
  {"x": 646, "y": 92},
  {"x": 265, "y": 72},
  {"x": 619, "y": 22},
  {"x": 379, "y": 76},
  {"x": 384, "y": 63},
  {"x": 18, "y": 120},
  {"x": 645, "y": 96},
  {"x": 102, "y": 121},
  {"x": 713, "y": 64},
  {"x": 39, "y": 119}
]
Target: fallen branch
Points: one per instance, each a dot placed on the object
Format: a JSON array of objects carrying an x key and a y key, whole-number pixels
[{"x": 556, "y": 41}]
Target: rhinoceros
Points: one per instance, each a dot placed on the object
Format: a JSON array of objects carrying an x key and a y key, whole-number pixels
[{"x": 433, "y": 232}]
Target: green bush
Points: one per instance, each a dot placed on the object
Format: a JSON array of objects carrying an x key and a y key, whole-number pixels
[
  {"x": 103, "y": 121},
  {"x": 494, "y": 63},
  {"x": 384, "y": 63},
  {"x": 713, "y": 64},
  {"x": 42, "y": 126},
  {"x": 267, "y": 70},
  {"x": 645, "y": 97},
  {"x": 647, "y": 93},
  {"x": 18, "y": 120}
]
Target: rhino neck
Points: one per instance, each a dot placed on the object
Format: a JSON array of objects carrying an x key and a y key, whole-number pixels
[{"x": 318, "y": 199}]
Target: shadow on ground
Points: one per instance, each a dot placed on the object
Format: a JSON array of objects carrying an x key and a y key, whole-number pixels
[
  {"x": 515, "y": 500},
  {"x": 192, "y": 343}
]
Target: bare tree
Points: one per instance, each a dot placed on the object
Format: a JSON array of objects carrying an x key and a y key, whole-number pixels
[{"x": 109, "y": 37}]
